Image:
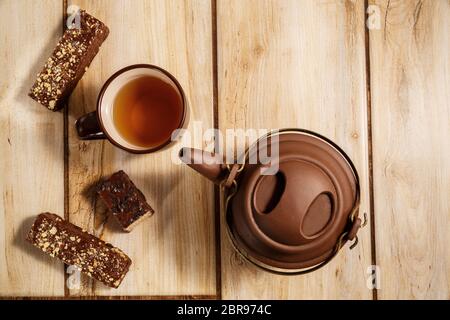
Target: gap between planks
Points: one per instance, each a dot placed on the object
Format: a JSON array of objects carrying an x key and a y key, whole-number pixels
[
  {"x": 66, "y": 153},
  {"x": 370, "y": 146},
  {"x": 217, "y": 206}
]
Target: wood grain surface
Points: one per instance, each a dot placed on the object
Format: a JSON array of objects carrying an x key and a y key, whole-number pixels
[
  {"x": 285, "y": 64},
  {"x": 173, "y": 252},
  {"x": 381, "y": 94},
  {"x": 31, "y": 148},
  {"x": 410, "y": 63}
]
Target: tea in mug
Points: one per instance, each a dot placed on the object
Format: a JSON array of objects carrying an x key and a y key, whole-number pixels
[{"x": 147, "y": 110}]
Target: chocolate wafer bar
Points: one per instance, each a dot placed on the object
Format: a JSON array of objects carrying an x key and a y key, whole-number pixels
[
  {"x": 69, "y": 61},
  {"x": 74, "y": 246},
  {"x": 124, "y": 200}
]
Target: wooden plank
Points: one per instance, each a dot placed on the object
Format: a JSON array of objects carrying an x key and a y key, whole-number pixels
[
  {"x": 173, "y": 252},
  {"x": 410, "y": 85},
  {"x": 296, "y": 64},
  {"x": 31, "y": 148}
]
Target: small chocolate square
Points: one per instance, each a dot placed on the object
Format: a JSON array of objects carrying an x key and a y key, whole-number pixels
[{"x": 124, "y": 200}]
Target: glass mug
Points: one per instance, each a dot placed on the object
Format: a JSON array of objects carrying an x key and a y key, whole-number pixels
[{"x": 139, "y": 103}]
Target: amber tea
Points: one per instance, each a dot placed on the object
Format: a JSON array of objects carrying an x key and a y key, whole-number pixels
[{"x": 147, "y": 110}]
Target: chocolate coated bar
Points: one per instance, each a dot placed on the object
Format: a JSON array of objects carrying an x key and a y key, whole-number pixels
[
  {"x": 124, "y": 200},
  {"x": 74, "y": 246},
  {"x": 69, "y": 61}
]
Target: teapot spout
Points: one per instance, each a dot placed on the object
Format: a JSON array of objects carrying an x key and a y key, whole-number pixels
[{"x": 208, "y": 164}]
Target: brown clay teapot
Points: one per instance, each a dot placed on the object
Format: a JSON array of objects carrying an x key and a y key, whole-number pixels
[{"x": 295, "y": 220}]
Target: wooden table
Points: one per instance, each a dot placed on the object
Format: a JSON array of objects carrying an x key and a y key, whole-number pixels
[{"x": 381, "y": 93}]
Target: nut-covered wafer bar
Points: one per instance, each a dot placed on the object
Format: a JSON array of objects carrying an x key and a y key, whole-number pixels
[
  {"x": 124, "y": 200},
  {"x": 69, "y": 61},
  {"x": 74, "y": 246}
]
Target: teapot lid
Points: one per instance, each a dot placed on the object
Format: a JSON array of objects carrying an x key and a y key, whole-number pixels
[{"x": 295, "y": 218}]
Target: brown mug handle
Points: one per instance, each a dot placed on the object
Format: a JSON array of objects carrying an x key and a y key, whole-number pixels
[{"x": 88, "y": 127}]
